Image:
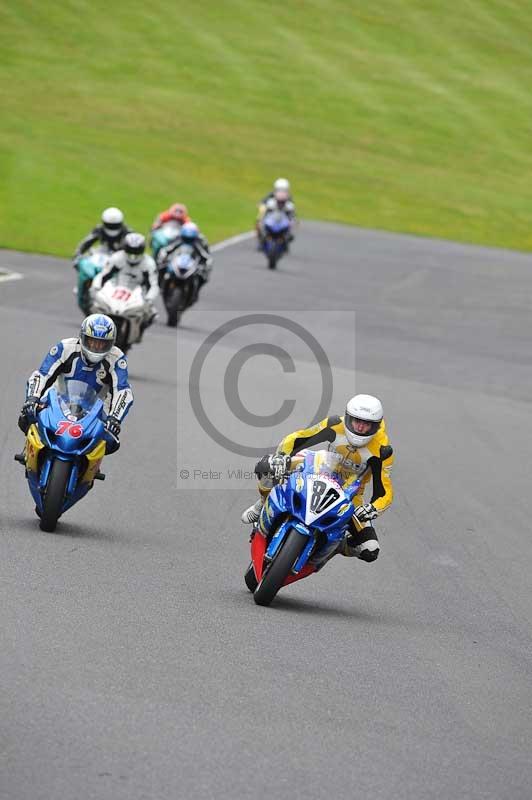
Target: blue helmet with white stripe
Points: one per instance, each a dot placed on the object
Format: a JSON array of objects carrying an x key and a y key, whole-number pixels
[
  {"x": 189, "y": 232},
  {"x": 97, "y": 337}
]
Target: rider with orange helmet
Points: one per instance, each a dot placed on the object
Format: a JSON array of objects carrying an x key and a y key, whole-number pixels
[{"x": 176, "y": 213}]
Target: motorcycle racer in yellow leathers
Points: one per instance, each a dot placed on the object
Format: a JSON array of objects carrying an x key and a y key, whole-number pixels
[{"x": 361, "y": 439}]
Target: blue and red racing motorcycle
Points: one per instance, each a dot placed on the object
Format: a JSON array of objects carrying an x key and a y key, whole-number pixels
[
  {"x": 64, "y": 449},
  {"x": 302, "y": 522},
  {"x": 276, "y": 228}
]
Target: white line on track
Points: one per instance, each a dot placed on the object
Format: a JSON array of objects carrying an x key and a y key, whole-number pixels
[
  {"x": 10, "y": 276},
  {"x": 5, "y": 275},
  {"x": 240, "y": 237}
]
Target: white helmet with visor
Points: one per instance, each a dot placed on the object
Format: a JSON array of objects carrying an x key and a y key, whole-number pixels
[
  {"x": 113, "y": 222},
  {"x": 363, "y": 416}
]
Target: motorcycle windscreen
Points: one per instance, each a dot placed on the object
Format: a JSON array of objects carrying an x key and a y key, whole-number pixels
[
  {"x": 76, "y": 398},
  {"x": 276, "y": 224}
]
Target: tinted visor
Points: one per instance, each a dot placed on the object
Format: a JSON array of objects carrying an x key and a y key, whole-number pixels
[
  {"x": 134, "y": 254},
  {"x": 361, "y": 427},
  {"x": 135, "y": 251},
  {"x": 133, "y": 260},
  {"x": 113, "y": 228},
  {"x": 94, "y": 345}
]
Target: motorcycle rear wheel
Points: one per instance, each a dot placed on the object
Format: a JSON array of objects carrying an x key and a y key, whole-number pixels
[
  {"x": 54, "y": 495},
  {"x": 278, "y": 570}
]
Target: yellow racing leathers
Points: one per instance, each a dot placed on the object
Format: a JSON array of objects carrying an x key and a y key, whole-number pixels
[{"x": 331, "y": 432}]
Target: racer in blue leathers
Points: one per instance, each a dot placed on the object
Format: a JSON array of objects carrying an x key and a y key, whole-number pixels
[
  {"x": 93, "y": 359},
  {"x": 190, "y": 235}
]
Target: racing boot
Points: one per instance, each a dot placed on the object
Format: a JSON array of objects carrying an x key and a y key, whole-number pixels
[
  {"x": 251, "y": 515},
  {"x": 360, "y": 544}
]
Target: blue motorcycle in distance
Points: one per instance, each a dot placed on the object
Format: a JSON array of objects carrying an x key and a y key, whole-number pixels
[
  {"x": 64, "y": 449},
  {"x": 302, "y": 522},
  {"x": 275, "y": 236},
  {"x": 180, "y": 282}
]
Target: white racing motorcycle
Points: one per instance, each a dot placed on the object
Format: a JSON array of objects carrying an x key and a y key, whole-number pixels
[{"x": 127, "y": 308}]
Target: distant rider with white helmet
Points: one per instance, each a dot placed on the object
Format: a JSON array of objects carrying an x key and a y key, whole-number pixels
[
  {"x": 360, "y": 438},
  {"x": 109, "y": 233},
  {"x": 279, "y": 199},
  {"x": 133, "y": 266},
  {"x": 91, "y": 358}
]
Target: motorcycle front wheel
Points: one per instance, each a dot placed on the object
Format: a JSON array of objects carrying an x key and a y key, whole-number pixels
[
  {"x": 122, "y": 333},
  {"x": 276, "y": 573},
  {"x": 250, "y": 579},
  {"x": 54, "y": 496},
  {"x": 174, "y": 306}
]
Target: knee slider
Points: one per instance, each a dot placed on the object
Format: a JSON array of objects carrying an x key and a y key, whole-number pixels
[{"x": 369, "y": 555}]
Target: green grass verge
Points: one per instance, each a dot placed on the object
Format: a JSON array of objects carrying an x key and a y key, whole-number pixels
[{"x": 409, "y": 116}]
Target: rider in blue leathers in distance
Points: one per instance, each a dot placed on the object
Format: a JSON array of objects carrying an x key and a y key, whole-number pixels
[{"x": 93, "y": 359}]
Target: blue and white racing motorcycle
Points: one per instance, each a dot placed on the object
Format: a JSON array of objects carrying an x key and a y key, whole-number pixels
[
  {"x": 180, "y": 282},
  {"x": 64, "y": 449},
  {"x": 302, "y": 522},
  {"x": 275, "y": 238}
]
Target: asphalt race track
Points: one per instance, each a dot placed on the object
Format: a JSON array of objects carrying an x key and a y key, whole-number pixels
[{"x": 134, "y": 662}]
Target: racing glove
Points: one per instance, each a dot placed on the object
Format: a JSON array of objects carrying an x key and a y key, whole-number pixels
[
  {"x": 279, "y": 465},
  {"x": 29, "y": 409},
  {"x": 275, "y": 466},
  {"x": 365, "y": 513},
  {"x": 111, "y": 431},
  {"x": 113, "y": 427},
  {"x": 162, "y": 255}
]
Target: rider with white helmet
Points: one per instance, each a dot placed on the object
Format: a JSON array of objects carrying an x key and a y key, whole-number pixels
[
  {"x": 281, "y": 185},
  {"x": 360, "y": 438},
  {"x": 91, "y": 358},
  {"x": 109, "y": 233},
  {"x": 282, "y": 196},
  {"x": 279, "y": 199},
  {"x": 136, "y": 268}
]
